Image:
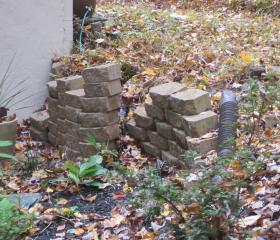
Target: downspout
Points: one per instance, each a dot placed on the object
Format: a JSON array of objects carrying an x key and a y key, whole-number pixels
[{"x": 227, "y": 123}]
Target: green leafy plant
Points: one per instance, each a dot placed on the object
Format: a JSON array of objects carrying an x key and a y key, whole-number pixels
[
  {"x": 102, "y": 149},
  {"x": 81, "y": 173},
  {"x": 5, "y": 155},
  {"x": 13, "y": 222}
]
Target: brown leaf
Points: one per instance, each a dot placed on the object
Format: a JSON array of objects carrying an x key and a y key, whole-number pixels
[
  {"x": 89, "y": 198},
  {"x": 60, "y": 228},
  {"x": 117, "y": 195}
]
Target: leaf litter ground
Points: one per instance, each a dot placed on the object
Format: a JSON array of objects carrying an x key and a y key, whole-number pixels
[{"x": 209, "y": 49}]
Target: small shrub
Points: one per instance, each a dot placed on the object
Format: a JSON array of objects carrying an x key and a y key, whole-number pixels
[
  {"x": 13, "y": 222},
  {"x": 82, "y": 173}
]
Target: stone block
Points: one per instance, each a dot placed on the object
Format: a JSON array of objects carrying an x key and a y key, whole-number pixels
[
  {"x": 52, "y": 89},
  {"x": 87, "y": 149},
  {"x": 72, "y": 142},
  {"x": 158, "y": 140},
  {"x": 202, "y": 145},
  {"x": 136, "y": 132},
  {"x": 61, "y": 99},
  {"x": 165, "y": 130},
  {"x": 160, "y": 94},
  {"x": 61, "y": 127},
  {"x": 99, "y": 119},
  {"x": 61, "y": 112},
  {"x": 180, "y": 137},
  {"x": 104, "y": 89},
  {"x": 142, "y": 119},
  {"x": 102, "y": 135},
  {"x": 100, "y": 104},
  {"x": 190, "y": 102},
  {"x": 198, "y": 125},
  {"x": 73, "y": 98},
  {"x": 151, "y": 149},
  {"x": 52, "y": 127},
  {"x": 102, "y": 73},
  {"x": 69, "y": 83},
  {"x": 39, "y": 135},
  {"x": 175, "y": 149},
  {"x": 52, "y": 139},
  {"x": 60, "y": 139},
  {"x": 52, "y": 104},
  {"x": 154, "y": 111},
  {"x": 168, "y": 158},
  {"x": 72, "y": 155},
  {"x": 174, "y": 119},
  {"x": 58, "y": 68},
  {"x": 39, "y": 120},
  {"x": 72, "y": 114},
  {"x": 72, "y": 128}
]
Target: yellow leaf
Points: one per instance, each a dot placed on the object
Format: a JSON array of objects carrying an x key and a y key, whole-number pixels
[
  {"x": 246, "y": 56},
  {"x": 194, "y": 208},
  {"x": 130, "y": 113},
  {"x": 235, "y": 165},
  {"x": 18, "y": 147},
  {"x": 189, "y": 63},
  {"x": 151, "y": 71},
  {"x": 205, "y": 79},
  {"x": 78, "y": 231},
  {"x": 49, "y": 190},
  {"x": 165, "y": 211},
  {"x": 62, "y": 202},
  {"x": 126, "y": 188},
  {"x": 267, "y": 132}
]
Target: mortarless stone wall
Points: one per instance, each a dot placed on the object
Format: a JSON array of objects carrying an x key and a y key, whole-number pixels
[{"x": 173, "y": 120}]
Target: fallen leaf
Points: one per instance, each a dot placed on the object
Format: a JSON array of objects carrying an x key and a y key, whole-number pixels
[
  {"x": 150, "y": 71},
  {"x": 78, "y": 231},
  {"x": 62, "y": 202},
  {"x": 248, "y": 221},
  {"x": 165, "y": 212},
  {"x": 89, "y": 198},
  {"x": 246, "y": 56},
  {"x": 117, "y": 195},
  {"x": 60, "y": 228}
]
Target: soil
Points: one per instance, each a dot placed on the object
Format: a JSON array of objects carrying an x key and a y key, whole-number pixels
[{"x": 101, "y": 206}]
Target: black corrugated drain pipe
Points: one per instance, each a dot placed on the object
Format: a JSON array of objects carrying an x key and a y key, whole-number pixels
[{"x": 227, "y": 123}]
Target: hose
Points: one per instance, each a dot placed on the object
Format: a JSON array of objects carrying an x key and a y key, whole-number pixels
[{"x": 81, "y": 48}]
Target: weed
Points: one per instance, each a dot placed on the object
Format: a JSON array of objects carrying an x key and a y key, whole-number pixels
[{"x": 13, "y": 222}]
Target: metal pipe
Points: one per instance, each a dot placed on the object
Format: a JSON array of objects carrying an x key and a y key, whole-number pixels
[{"x": 227, "y": 123}]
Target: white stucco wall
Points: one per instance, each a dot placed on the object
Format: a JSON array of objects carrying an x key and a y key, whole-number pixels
[{"x": 34, "y": 31}]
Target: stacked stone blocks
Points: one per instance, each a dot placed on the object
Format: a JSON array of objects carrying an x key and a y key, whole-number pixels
[
  {"x": 173, "y": 120},
  {"x": 85, "y": 104}
]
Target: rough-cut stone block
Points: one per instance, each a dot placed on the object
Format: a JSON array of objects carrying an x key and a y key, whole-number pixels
[
  {"x": 105, "y": 89},
  {"x": 72, "y": 155},
  {"x": 272, "y": 120},
  {"x": 58, "y": 68},
  {"x": 39, "y": 135},
  {"x": 174, "y": 119},
  {"x": 52, "y": 127},
  {"x": 60, "y": 139},
  {"x": 165, "y": 130},
  {"x": 180, "y": 138},
  {"x": 102, "y": 135},
  {"x": 72, "y": 141},
  {"x": 87, "y": 149},
  {"x": 151, "y": 149},
  {"x": 52, "y": 89},
  {"x": 158, "y": 140},
  {"x": 52, "y": 104},
  {"x": 161, "y": 93},
  {"x": 69, "y": 83},
  {"x": 102, "y": 73},
  {"x": 154, "y": 111},
  {"x": 190, "y": 102},
  {"x": 73, "y": 98},
  {"x": 61, "y": 112},
  {"x": 39, "y": 120},
  {"x": 175, "y": 149},
  {"x": 198, "y": 125},
  {"x": 61, "y": 127},
  {"x": 100, "y": 104},
  {"x": 168, "y": 158},
  {"x": 61, "y": 99},
  {"x": 72, "y": 128},
  {"x": 52, "y": 139},
  {"x": 202, "y": 145},
  {"x": 136, "y": 132},
  {"x": 98, "y": 119},
  {"x": 142, "y": 119},
  {"x": 72, "y": 114}
]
